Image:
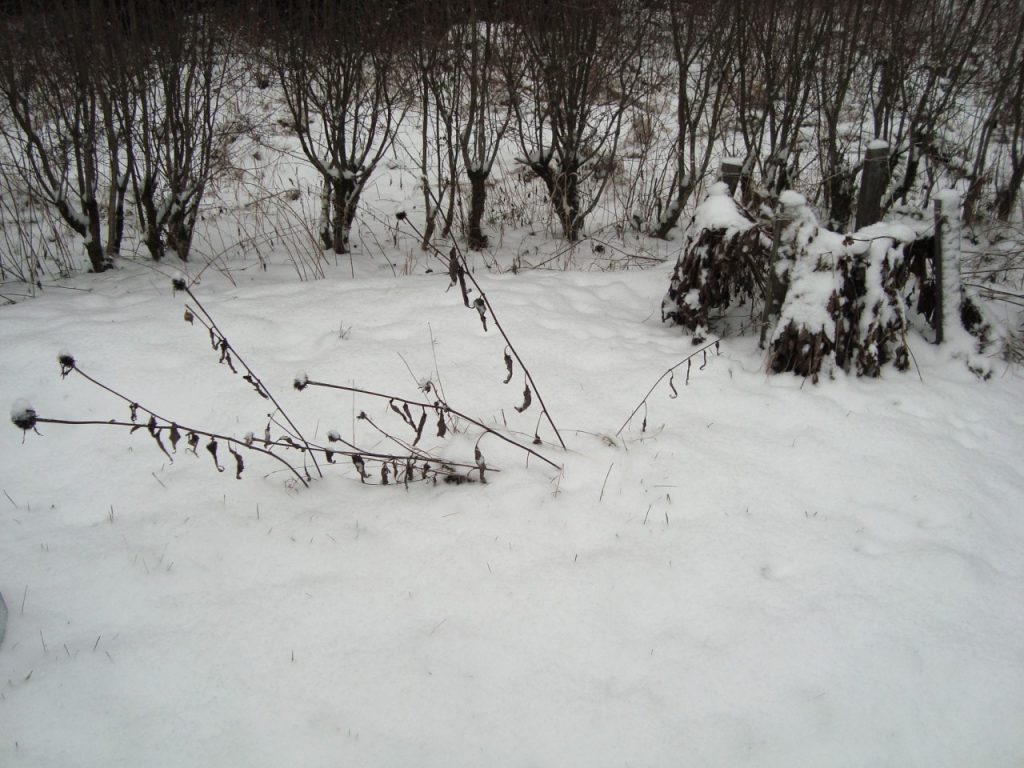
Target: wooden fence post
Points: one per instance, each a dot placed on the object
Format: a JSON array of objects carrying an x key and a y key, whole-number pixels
[
  {"x": 731, "y": 170},
  {"x": 946, "y": 264},
  {"x": 873, "y": 181},
  {"x": 774, "y": 292}
]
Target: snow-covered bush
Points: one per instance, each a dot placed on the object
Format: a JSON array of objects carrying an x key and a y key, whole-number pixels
[
  {"x": 722, "y": 262},
  {"x": 845, "y": 299}
]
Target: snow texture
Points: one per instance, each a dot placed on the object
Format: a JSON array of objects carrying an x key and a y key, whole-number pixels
[{"x": 771, "y": 574}]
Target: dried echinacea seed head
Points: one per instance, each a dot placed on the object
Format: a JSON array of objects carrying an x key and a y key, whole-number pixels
[{"x": 23, "y": 415}]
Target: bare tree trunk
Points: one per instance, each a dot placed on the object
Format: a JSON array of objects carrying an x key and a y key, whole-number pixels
[
  {"x": 1006, "y": 196},
  {"x": 345, "y": 201},
  {"x": 477, "y": 200}
]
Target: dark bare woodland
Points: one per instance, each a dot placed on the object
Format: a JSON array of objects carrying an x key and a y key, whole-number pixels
[{"x": 115, "y": 107}]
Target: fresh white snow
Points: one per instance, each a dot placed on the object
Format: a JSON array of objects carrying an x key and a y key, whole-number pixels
[{"x": 772, "y": 574}]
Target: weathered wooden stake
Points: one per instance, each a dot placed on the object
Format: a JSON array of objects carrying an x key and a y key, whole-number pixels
[
  {"x": 946, "y": 265},
  {"x": 872, "y": 183},
  {"x": 731, "y": 170},
  {"x": 773, "y": 287}
]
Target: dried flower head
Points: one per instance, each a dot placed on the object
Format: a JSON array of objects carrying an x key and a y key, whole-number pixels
[
  {"x": 23, "y": 415},
  {"x": 67, "y": 363}
]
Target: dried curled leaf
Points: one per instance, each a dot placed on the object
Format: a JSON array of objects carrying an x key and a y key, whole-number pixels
[
  {"x": 480, "y": 463},
  {"x": 527, "y": 399},
  {"x": 175, "y": 437},
  {"x": 672, "y": 386},
  {"x": 360, "y": 466},
  {"x": 457, "y": 274},
  {"x": 442, "y": 427},
  {"x": 403, "y": 413},
  {"x": 419, "y": 427},
  {"x": 212, "y": 448},
  {"x": 481, "y": 309},
  {"x": 259, "y": 389},
  {"x": 225, "y": 354},
  {"x": 239, "y": 464},
  {"x": 508, "y": 366},
  {"x": 155, "y": 434}
]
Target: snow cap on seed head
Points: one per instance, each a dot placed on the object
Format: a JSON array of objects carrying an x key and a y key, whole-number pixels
[{"x": 23, "y": 415}]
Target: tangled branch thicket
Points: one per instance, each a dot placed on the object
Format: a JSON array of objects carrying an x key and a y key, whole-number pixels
[{"x": 115, "y": 112}]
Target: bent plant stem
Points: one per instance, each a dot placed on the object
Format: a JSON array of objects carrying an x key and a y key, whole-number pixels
[
  {"x": 434, "y": 406},
  {"x": 661, "y": 378},
  {"x": 73, "y": 366},
  {"x": 414, "y": 452},
  {"x": 212, "y": 326},
  {"x": 444, "y": 467},
  {"x": 497, "y": 324},
  {"x": 169, "y": 426}
]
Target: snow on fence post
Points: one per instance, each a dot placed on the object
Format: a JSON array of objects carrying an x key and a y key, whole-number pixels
[
  {"x": 731, "y": 170},
  {"x": 774, "y": 293},
  {"x": 872, "y": 183},
  {"x": 948, "y": 289}
]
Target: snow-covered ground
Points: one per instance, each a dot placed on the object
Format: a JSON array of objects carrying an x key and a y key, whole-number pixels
[{"x": 771, "y": 574}]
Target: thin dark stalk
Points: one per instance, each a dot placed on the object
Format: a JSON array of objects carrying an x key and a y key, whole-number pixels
[
  {"x": 212, "y": 325},
  {"x": 497, "y": 324},
  {"x": 168, "y": 427},
  {"x": 435, "y": 406},
  {"x": 990, "y": 289},
  {"x": 661, "y": 378},
  {"x": 413, "y": 451}
]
